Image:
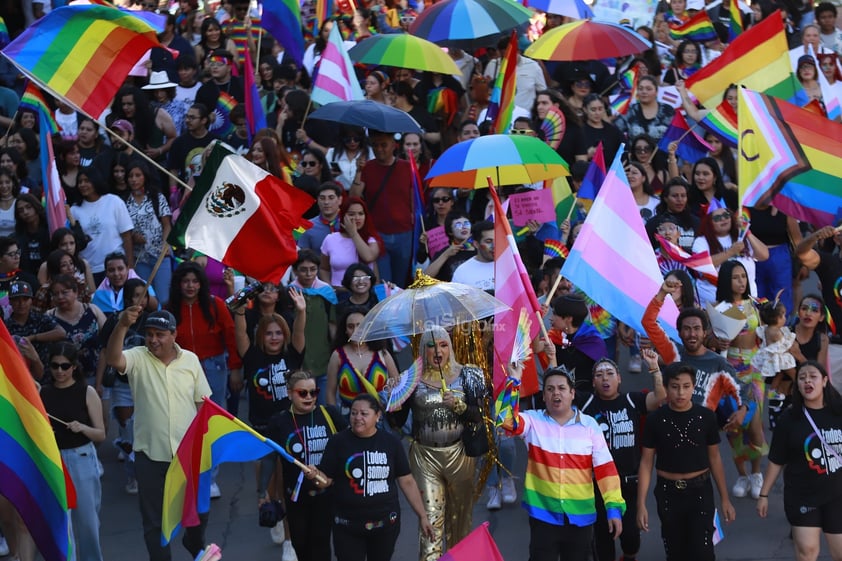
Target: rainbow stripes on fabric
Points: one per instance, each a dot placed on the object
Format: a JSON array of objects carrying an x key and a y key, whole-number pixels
[
  {"x": 82, "y": 53},
  {"x": 735, "y": 20},
  {"x": 282, "y": 18},
  {"x": 594, "y": 177},
  {"x": 443, "y": 101},
  {"x": 699, "y": 28},
  {"x": 789, "y": 157},
  {"x": 501, "y": 104},
  {"x": 612, "y": 236},
  {"x": 506, "y": 404},
  {"x": 554, "y": 248},
  {"x": 33, "y": 99},
  {"x": 563, "y": 464},
  {"x": 31, "y": 474},
  {"x": 335, "y": 79},
  {"x": 214, "y": 437},
  {"x": 722, "y": 121},
  {"x": 758, "y": 59},
  {"x": 255, "y": 117}
]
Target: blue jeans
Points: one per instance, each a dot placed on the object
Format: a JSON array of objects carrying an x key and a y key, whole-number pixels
[
  {"x": 81, "y": 464},
  {"x": 162, "y": 280},
  {"x": 216, "y": 371},
  {"x": 774, "y": 274},
  {"x": 394, "y": 264}
]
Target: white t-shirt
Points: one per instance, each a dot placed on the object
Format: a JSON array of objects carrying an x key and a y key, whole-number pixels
[
  {"x": 7, "y": 221},
  {"x": 474, "y": 272},
  {"x": 706, "y": 290},
  {"x": 103, "y": 220}
]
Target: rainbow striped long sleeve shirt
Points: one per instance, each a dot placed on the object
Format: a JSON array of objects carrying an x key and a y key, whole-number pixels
[{"x": 563, "y": 462}]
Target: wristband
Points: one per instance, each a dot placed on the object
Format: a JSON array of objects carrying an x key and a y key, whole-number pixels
[{"x": 762, "y": 496}]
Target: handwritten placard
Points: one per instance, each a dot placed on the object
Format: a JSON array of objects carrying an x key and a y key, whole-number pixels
[
  {"x": 532, "y": 205},
  {"x": 436, "y": 241}
]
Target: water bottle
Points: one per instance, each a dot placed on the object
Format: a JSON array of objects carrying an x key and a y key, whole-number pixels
[{"x": 242, "y": 296}]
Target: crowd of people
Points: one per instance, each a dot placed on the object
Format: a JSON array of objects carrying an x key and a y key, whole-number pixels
[{"x": 112, "y": 344}]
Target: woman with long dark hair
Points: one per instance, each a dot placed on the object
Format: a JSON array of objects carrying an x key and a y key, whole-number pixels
[
  {"x": 9, "y": 190},
  {"x": 154, "y": 129},
  {"x": 707, "y": 184},
  {"x": 359, "y": 281},
  {"x": 31, "y": 231},
  {"x": 212, "y": 38},
  {"x": 673, "y": 206}
]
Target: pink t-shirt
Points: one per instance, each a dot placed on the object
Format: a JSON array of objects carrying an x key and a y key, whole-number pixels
[{"x": 342, "y": 253}]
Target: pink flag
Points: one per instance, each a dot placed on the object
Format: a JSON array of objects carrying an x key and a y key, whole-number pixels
[
  {"x": 613, "y": 240},
  {"x": 512, "y": 287},
  {"x": 53, "y": 193},
  {"x": 477, "y": 545},
  {"x": 335, "y": 78}
]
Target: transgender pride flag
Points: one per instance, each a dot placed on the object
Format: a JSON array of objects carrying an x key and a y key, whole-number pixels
[
  {"x": 335, "y": 78},
  {"x": 612, "y": 260}
]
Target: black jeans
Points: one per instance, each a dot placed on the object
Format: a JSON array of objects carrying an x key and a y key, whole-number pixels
[
  {"x": 686, "y": 520},
  {"x": 150, "y": 477},
  {"x": 310, "y": 521},
  {"x": 358, "y": 544},
  {"x": 548, "y": 542},
  {"x": 630, "y": 538}
]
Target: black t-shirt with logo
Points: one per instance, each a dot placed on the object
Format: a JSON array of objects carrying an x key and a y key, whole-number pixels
[
  {"x": 829, "y": 271},
  {"x": 265, "y": 377},
  {"x": 619, "y": 420},
  {"x": 364, "y": 473}
]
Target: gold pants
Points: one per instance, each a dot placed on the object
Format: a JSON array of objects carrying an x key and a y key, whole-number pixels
[{"x": 445, "y": 477}]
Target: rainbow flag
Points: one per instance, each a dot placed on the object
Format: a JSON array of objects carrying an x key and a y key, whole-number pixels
[
  {"x": 699, "y": 28},
  {"x": 214, "y": 437},
  {"x": 691, "y": 146},
  {"x": 4, "y": 33},
  {"x": 53, "y": 191},
  {"x": 513, "y": 287},
  {"x": 614, "y": 238},
  {"x": 31, "y": 474},
  {"x": 323, "y": 10},
  {"x": 282, "y": 18},
  {"x": 594, "y": 177},
  {"x": 790, "y": 157},
  {"x": 255, "y": 117},
  {"x": 735, "y": 20},
  {"x": 335, "y": 78},
  {"x": 82, "y": 53},
  {"x": 222, "y": 125},
  {"x": 443, "y": 101},
  {"x": 758, "y": 59},
  {"x": 33, "y": 99},
  {"x": 501, "y": 104},
  {"x": 722, "y": 121}
]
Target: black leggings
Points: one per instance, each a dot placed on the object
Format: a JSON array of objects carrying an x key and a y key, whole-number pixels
[
  {"x": 686, "y": 520},
  {"x": 357, "y": 544},
  {"x": 630, "y": 538},
  {"x": 310, "y": 523}
]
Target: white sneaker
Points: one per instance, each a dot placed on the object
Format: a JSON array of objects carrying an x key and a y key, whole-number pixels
[
  {"x": 131, "y": 486},
  {"x": 495, "y": 500},
  {"x": 756, "y": 484},
  {"x": 277, "y": 533},
  {"x": 509, "y": 491},
  {"x": 288, "y": 552},
  {"x": 635, "y": 363},
  {"x": 741, "y": 487},
  {"x": 4, "y": 547},
  {"x": 215, "y": 493}
]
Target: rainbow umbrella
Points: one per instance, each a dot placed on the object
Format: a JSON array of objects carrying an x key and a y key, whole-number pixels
[
  {"x": 506, "y": 159},
  {"x": 403, "y": 51},
  {"x": 571, "y": 8},
  {"x": 587, "y": 40},
  {"x": 465, "y": 23}
]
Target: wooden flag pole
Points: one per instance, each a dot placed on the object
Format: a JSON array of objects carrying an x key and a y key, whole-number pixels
[{"x": 165, "y": 249}]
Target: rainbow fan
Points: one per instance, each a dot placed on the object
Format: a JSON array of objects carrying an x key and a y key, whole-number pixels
[
  {"x": 522, "y": 347},
  {"x": 554, "y": 248},
  {"x": 406, "y": 385},
  {"x": 553, "y": 127}
]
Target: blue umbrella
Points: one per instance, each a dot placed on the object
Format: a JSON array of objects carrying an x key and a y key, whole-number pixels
[
  {"x": 570, "y": 8},
  {"x": 369, "y": 114},
  {"x": 467, "y": 22}
]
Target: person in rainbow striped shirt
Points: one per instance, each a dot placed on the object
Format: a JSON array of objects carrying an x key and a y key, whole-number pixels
[{"x": 567, "y": 450}]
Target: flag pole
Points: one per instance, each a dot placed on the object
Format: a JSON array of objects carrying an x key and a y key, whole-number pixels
[{"x": 165, "y": 249}]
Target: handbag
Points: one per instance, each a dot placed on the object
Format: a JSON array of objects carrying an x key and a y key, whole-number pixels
[
  {"x": 475, "y": 439},
  {"x": 270, "y": 514}
]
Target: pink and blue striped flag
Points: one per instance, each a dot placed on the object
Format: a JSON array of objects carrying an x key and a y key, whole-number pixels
[
  {"x": 255, "y": 117},
  {"x": 613, "y": 239},
  {"x": 53, "y": 192},
  {"x": 282, "y": 18},
  {"x": 335, "y": 78}
]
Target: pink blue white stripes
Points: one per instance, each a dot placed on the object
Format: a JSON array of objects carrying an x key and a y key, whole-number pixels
[
  {"x": 613, "y": 238},
  {"x": 53, "y": 193},
  {"x": 335, "y": 78}
]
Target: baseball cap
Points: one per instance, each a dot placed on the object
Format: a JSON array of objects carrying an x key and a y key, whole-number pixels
[
  {"x": 123, "y": 125},
  {"x": 20, "y": 289},
  {"x": 162, "y": 320}
]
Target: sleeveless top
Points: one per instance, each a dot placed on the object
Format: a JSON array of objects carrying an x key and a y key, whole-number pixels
[
  {"x": 349, "y": 382},
  {"x": 811, "y": 348},
  {"x": 85, "y": 335},
  {"x": 68, "y": 404},
  {"x": 433, "y": 423}
]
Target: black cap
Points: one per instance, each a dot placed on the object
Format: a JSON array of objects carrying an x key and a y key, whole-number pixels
[
  {"x": 20, "y": 289},
  {"x": 162, "y": 320}
]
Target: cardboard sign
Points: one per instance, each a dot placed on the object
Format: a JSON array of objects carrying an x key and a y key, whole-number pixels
[
  {"x": 436, "y": 241},
  {"x": 533, "y": 205}
]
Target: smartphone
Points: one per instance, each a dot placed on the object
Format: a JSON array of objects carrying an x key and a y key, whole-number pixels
[{"x": 334, "y": 167}]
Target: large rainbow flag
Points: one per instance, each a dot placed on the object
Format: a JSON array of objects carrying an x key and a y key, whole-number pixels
[
  {"x": 214, "y": 437},
  {"x": 501, "y": 105},
  {"x": 790, "y": 157},
  {"x": 614, "y": 238},
  {"x": 282, "y": 18},
  {"x": 82, "y": 53},
  {"x": 31, "y": 473},
  {"x": 699, "y": 28},
  {"x": 758, "y": 59}
]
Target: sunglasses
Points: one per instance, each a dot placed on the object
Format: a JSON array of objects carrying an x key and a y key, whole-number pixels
[
  {"x": 61, "y": 365},
  {"x": 461, "y": 223},
  {"x": 437, "y": 200},
  {"x": 642, "y": 149},
  {"x": 522, "y": 131},
  {"x": 361, "y": 279},
  {"x": 307, "y": 163},
  {"x": 809, "y": 308},
  {"x": 307, "y": 393},
  {"x": 721, "y": 217}
]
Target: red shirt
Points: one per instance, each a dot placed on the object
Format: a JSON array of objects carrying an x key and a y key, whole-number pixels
[
  {"x": 391, "y": 210},
  {"x": 194, "y": 333}
]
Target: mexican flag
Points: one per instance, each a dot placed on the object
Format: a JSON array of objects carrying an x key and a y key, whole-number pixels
[{"x": 241, "y": 215}]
